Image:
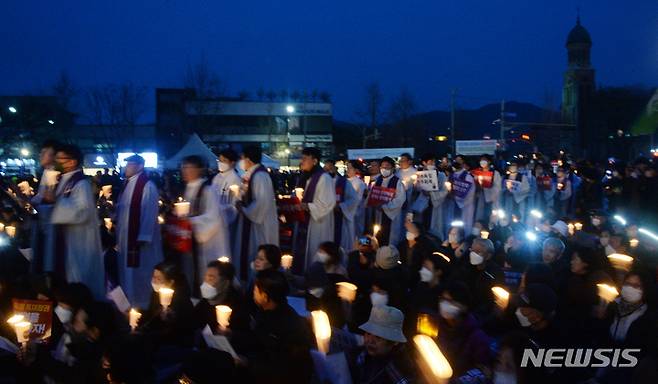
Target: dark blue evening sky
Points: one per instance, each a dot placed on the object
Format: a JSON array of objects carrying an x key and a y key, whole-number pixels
[{"x": 487, "y": 49}]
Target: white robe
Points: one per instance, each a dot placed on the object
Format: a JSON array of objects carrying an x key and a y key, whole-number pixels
[
  {"x": 392, "y": 210},
  {"x": 43, "y": 232},
  {"x": 489, "y": 196},
  {"x": 405, "y": 175},
  {"x": 359, "y": 187},
  {"x": 208, "y": 227},
  {"x": 517, "y": 198},
  {"x": 222, "y": 183},
  {"x": 136, "y": 282},
  {"x": 262, "y": 214},
  {"x": 437, "y": 199},
  {"x": 467, "y": 205},
  {"x": 348, "y": 208},
  {"x": 84, "y": 256},
  {"x": 321, "y": 222}
]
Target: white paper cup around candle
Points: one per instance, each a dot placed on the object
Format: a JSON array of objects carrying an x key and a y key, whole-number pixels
[
  {"x": 448, "y": 185},
  {"x": 484, "y": 234},
  {"x": 607, "y": 292},
  {"x": 15, "y": 319},
  {"x": 50, "y": 177},
  {"x": 182, "y": 209},
  {"x": 434, "y": 359},
  {"x": 108, "y": 223},
  {"x": 322, "y": 330},
  {"x": 346, "y": 291},
  {"x": 286, "y": 261},
  {"x": 10, "y": 230},
  {"x": 224, "y": 259},
  {"x": 501, "y": 297},
  {"x": 106, "y": 190},
  {"x": 2, "y": 227},
  {"x": 633, "y": 242},
  {"x": 161, "y": 219},
  {"x": 375, "y": 229},
  {"x": 235, "y": 190},
  {"x": 22, "y": 329},
  {"x": 621, "y": 261},
  {"x": 166, "y": 294},
  {"x": 366, "y": 179},
  {"x": 299, "y": 192},
  {"x": 578, "y": 226},
  {"x": 572, "y": 228},
  {"x": 414, "y": 178},
  {"x": 223, "y": 313},
  {"x": 134, "y": 317}
]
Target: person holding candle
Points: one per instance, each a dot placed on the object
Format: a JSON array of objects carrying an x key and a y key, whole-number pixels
[
  {"x": 78, "y": 256},
  {"x": 461, "y": 205},
  {"x": 563, "y": 192},
  {"x": 347, "y": 203},
  {"x": 259, "y": 223},
  {"x": 43, "y": 232},
  {"x": 138, "y": 233},
  {"x": 354, "y": 172},
  {"x": 388, "y": 215},
  {"x": 429, "y": 204},
  {"x": 319, "y": 201},
  {"x": 209, "y": 230},
  {"x": 489, "y": 185},
  {"x": 516, "y": 189},
  {"x": 407, "y": 173},
  {"x": 227, "y": 183}
]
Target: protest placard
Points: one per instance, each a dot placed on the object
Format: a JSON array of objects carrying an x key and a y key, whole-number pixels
[
  {"x": 427, "y": 180},
  {"x": 39, "y": 313}
]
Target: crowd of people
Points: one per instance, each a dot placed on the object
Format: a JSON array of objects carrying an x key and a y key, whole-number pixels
[{"x": 490, "y": 259}]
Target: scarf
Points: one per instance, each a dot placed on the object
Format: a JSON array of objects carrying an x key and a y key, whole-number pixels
[{"x": 134, "y": 220}]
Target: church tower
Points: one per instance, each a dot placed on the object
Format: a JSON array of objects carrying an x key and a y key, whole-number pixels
[{"x": 579, "y": 85}]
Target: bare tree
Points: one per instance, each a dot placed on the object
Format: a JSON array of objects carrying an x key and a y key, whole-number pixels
[
  {"x": 370, "y": 113},
  {"x": 401, "y": 113},
  {"x": 64, "y": 90},
  {"x": 203, "y": 80},
  {"x": 325, "y": 97}
]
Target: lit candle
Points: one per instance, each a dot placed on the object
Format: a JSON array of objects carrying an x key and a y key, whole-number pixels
[
  {"x": 633, "y": 242},
  {"x": 322, "y": 330},
  {"x": 448, "y": 185},
  {"x": 10, "y": 230},
  {"x": 375, "y": 229},
  {"x": 133, "y": 318},
  {"x": 443, "y": 256},
  {"x": 560, "y": 186},
  {"x": 224, "y": 259},
  {"x": 484, "y": 234},
  {"x": 571, "y": 228},
  {"x": 620, "y": 261},
  {"x": 2, "y": 227},
  {"x": 22, "y": 331},
  {"x": 108, "y": 223},
  {"x": 346, "y": 291},
  {"x": 366, "y": 179},
  {"x": 106, "y": 190},
  {"x": 578, "y": 226},
  {"x": 425, "y": 325},
  {"x": 480, "y": 178},
  {"x": 235, "y": 190},
  {"x": 299, "y": 192},
  {"x": 286, "y": 261},
  {"x": 607, "y": 292},
  {"x": 414, "y": 177},
  {"x": 223, "y": 313},
  {"x": 166, "y": 294},
  {"x": 50, "y": 177},
  {"x": 182, "y": 208},
  {"x": 161, "y": 219},
  {"x": 434, "y": 359},
  {"x": 501, "y": 297}
]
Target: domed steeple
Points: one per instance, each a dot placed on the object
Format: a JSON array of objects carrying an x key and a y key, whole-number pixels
[
  {"x": 579, "y": 35},
  {"x": 579, "y": 44}
]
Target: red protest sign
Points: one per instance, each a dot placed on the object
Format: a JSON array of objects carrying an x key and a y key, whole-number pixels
[
  {"x": 288, "y": 206},
  {"x": 39, "y": 313},
  {"x": 483, "y": 178},
  {"x": 544, "y": 183},
  {"x": 178, "y": 233},
  {"x": 380, "y": 195}
]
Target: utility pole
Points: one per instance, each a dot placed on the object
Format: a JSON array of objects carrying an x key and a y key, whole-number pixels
[
  {"x": 453, "y": 130},
  {"x": 502, "y": 122}
]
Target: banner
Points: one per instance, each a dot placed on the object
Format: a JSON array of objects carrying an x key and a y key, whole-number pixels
[
  {"x": 460, "y": 188},
  {"x": 427, "y": 180},
  {"x": 380, "y": 195},
  {"x": 483, "y": 178},
  {"x": 37, "y": 312},
  {"x": 288, "y": 208},
  {"x": 475, "y": 147}
]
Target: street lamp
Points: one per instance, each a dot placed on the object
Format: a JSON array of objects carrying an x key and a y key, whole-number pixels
[
  {"x": 51, "y": 122},
  {"x": 12, "y": 109},
  {"x": 290, "y": 108},
  {"x": 25, "y": 152}
]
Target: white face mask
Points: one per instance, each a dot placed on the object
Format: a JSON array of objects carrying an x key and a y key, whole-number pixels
[
  {"x": 156, "y": 286},
  {"x": 604, "y": 241},
  {"x": 631, "y": 294},
  {"x": 522, "y": 319},
  {"x": 378, "y": 299},
  {"x": 385, "y": 172},
  {"x": 64, "y": 315},
  {"x": 242, "y": 165},
  {"x": 425, "y": 275},
  {"x": 223, "y": 167},
  {"x": 316, "y": 292},
  {"x": 596, "y": 221},
  {"x": 448, "y": 310},
  {"x": 411, "y": 236},
  {"x": 484, "y": 163},
  {"x": 453, "y": 238},
  {"x": 504, "y": 378},
  {"x": 208, "y": 291},
  {"x": 322, "y": 256},
  {"x": 475, "y": 258}
]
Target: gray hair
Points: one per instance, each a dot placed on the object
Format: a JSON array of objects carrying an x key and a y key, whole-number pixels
[
  {"x": 555, "y": 243},
  {"x": 486, "y": 244}
]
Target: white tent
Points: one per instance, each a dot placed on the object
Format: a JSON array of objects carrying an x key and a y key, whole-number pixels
[{"x": 194, "y": 146}]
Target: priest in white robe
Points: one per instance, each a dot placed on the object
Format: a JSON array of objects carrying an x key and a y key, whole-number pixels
[
  {"x": 347, "y": 204},
  {"x": 488, "y": 182},
  {"x": 360, "y": 190},
  {"x": 318, "y": 201},
  {"x": 209, "y": 231},
  {"x": 138, "y": 233},
  {"x": 78, "y": 256},
  {"x": 387, "y": 214},
  {"x": 462, "y": 187},
  {"x": 43, "y": 232},
  {"x": 429, "y": 204},
  {"x": 407, "y": 173},
  {"x": 227, "y": 184},
  {"x": 258, "y": 222},
  {"x": 515, "y": 192}
]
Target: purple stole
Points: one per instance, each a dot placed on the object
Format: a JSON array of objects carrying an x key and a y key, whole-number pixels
[
  {"x": 134, "y": 220},
  {"x": 338, "y": 214},
  {"x": 246, "y": 226},
  {"x": 384, "y": 234},
  {"x": 60, "y": 235},
  {"x": 302, "y": 227}
]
